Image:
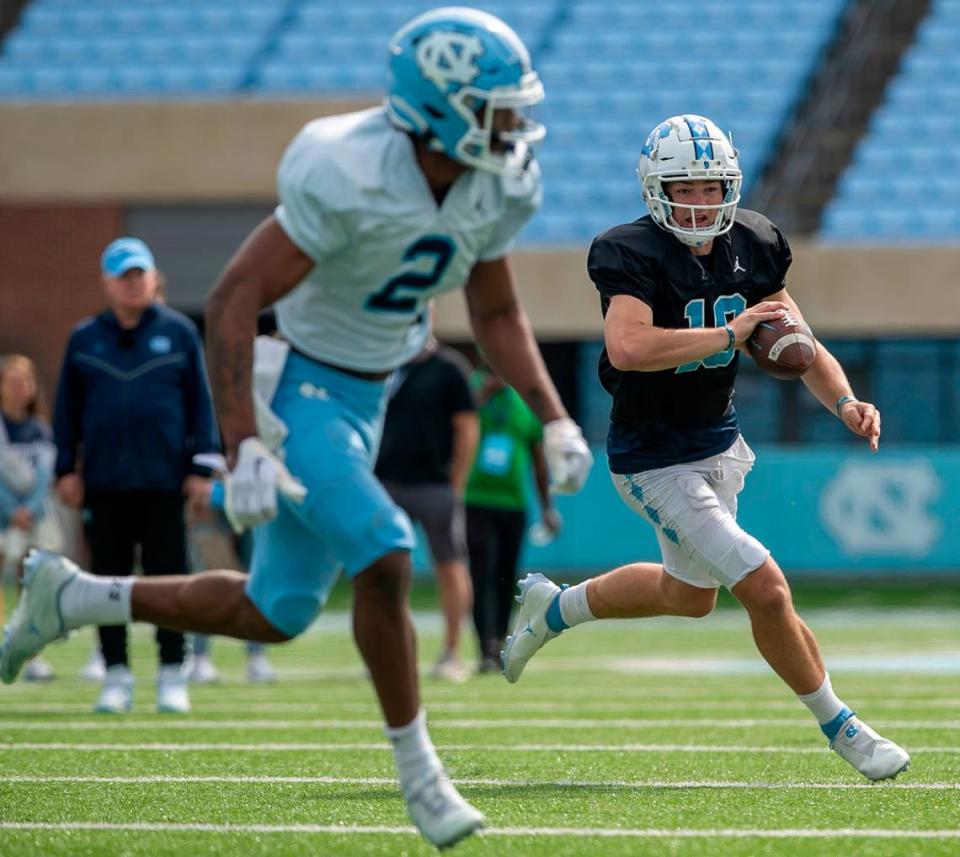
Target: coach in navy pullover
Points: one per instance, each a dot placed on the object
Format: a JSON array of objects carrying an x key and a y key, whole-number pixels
[
  {"x": 133, "y": 402},
  {"x": 133, "y": 407}
]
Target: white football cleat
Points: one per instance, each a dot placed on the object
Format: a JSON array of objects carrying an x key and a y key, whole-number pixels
[
  {"x": 260, "y": 670},
  {"x": 94, "y": 669},
  {"x": 117, "y": 694},
  {"x": 449, "y": 667},
  {"x": 37, "y": 620},
  {"x": 531, "y": 631},
  {"x": 38, "y": 669},
  {"x": 172, "y": 695},
  {"x": 871, "y": 754},
  {"x": 439, "y": 811},
  {"x": 202, "y": 671}
]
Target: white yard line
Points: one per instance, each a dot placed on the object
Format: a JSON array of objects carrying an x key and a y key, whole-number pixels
[
  {"x": 638, "y": 705},
  {"x": 181, "y": 724},
  {"x": 472, "y": 781},
  {"x": 585, "y": 832},
  {"x": 273, "y": 747}
]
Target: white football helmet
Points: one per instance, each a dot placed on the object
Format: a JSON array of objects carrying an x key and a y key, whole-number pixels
[{"x": 689, "y": 148}]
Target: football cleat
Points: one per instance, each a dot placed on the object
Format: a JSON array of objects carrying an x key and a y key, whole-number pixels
[
  {"x": 871, "y": 754},
  {"x": 531, "y": 631},
  {"x": 439, "y": 811},
  {"x": 117, "y": 694},
  {"x": 172, "y": 696},
  {"x": 94, "y": 669},
  {"x": 202, "y": 671},
  {"x": 260, "y": 670},
  {"x": 37, "y": 619},
  {"x": 38, "y": 669},
  {"x": 450, "y": 668}
]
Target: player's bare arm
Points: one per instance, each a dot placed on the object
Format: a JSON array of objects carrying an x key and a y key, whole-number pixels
[
  {"x": 634, "y": 344},
  {"x": 503, "y": 331},
  {"x": 267, "y": 266},
  {"x": 829, "y": 385},
  {"x": 466, "y": 436}
]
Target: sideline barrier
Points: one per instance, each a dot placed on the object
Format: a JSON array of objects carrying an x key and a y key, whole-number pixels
[{"x": 822, "y": 510}]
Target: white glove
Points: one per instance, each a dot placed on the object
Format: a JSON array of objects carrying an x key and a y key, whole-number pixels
[
  {"x": 250, "y": 489},
  {"x": 568, "y": 456}
]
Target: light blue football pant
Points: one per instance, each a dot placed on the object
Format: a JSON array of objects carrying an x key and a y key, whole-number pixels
[{"x": 347, "y": 520}]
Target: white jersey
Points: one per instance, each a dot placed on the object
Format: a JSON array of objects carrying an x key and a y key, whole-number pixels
[{"x": 353, "y": 198}]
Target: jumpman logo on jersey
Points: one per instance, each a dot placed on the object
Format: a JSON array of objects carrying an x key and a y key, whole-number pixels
[{"x": 737, "y": 266}]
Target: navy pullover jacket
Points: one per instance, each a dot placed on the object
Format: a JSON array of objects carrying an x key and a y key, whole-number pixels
[{"x": 133, "y": 405}]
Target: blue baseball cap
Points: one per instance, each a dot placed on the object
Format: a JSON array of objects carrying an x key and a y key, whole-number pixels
[{"x": 126, "y": 253}]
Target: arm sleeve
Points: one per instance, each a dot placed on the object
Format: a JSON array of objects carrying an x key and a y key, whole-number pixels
[
  {"x": 202, "y": 423},
  {"x": 309, "y": 187},
  {"x": 616, "y": 270},
  {"x": 523, "y": 197},
  {"x": 67, "y": 414}
]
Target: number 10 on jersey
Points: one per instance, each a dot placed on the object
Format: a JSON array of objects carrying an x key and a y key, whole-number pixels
[{"x": 725, "y": 309}]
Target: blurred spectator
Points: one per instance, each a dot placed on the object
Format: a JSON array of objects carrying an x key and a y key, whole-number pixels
[
  {"x": 133, "y": 406},
  {"x": 429, "y": 440},
  {"x": 496, "y": 500},
  {"x": 27, "y": 454},
  {"x": 212, "y": 543}
]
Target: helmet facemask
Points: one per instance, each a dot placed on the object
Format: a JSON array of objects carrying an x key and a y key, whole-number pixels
[{"x": 505, "y": 152}]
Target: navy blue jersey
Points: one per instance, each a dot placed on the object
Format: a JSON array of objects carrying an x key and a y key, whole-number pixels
[{"x": 682, "y": 414}]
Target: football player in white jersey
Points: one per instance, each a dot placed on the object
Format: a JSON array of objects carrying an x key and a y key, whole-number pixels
[{"x": 379, "y": 211}]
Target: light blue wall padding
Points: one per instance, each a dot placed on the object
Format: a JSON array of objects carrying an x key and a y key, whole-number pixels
[{"x": 821, "y": 510}]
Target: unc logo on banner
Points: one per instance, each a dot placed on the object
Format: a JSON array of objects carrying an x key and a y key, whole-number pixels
[
  {"x": 883, "y": 510},
  {"x": 447, "y": 58}
]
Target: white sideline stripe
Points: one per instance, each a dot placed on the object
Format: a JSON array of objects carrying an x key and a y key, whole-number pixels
[
  {"x": 505, "y": 748},
  {"x": 472, "y": 781},
  {"x": 182, "y": 724},
  {"x": 604, "y": 832},
  {"x": 530, "y": 705}
]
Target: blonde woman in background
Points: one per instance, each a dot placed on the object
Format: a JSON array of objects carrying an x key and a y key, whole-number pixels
[{"x": 27, "y": 456}]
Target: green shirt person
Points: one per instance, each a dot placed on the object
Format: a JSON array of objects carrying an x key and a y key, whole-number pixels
[{"x": 496, "y": 500}]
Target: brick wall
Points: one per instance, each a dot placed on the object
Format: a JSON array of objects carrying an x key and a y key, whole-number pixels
[{"x": 50, "y": 277}]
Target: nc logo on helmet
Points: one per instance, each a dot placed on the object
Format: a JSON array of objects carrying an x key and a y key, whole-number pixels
[{"x": 446, "y": 57}]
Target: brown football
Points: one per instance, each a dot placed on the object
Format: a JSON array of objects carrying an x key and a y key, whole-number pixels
[{"x": 784, "y": 348}]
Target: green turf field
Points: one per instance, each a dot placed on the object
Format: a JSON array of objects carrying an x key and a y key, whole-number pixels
[{"x": 657, "y": 737}]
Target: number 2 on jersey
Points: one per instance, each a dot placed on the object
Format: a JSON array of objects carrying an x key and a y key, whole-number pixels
[
  {"x": 391, "y": 298},
  {"x": 725, "y": 309}
]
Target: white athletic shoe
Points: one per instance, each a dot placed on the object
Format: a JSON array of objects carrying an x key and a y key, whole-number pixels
[
  {"x": 449, "y": 667},
  {"x": 37, "y": 620},
  {"x": 871, "y": 754},
  {"x": 117, "y": 694},
  {"x": 531, "y": 631},
  {"x": 94, "y": 669},
  {"x": 172, "y": 695},
  {"x": 260, "y": 670},
  {"x": 439, "y": 811},
  {"x": 37, "y": 669},
  {"x": 202, "y": 671}
]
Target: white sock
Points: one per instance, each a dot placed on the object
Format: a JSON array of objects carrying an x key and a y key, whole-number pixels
[
  {"x": 413, "y": 749},
  {"x": 573, "y": 605},
  {"x": 823, "y": 702},
  {"x": 91, "y": 600}
]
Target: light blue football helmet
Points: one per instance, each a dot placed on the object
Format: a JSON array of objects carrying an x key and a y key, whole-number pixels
[{"x": 450, "y": 70}]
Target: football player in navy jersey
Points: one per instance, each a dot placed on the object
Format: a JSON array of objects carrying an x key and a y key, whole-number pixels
[{"x": 681, "y": 290}]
